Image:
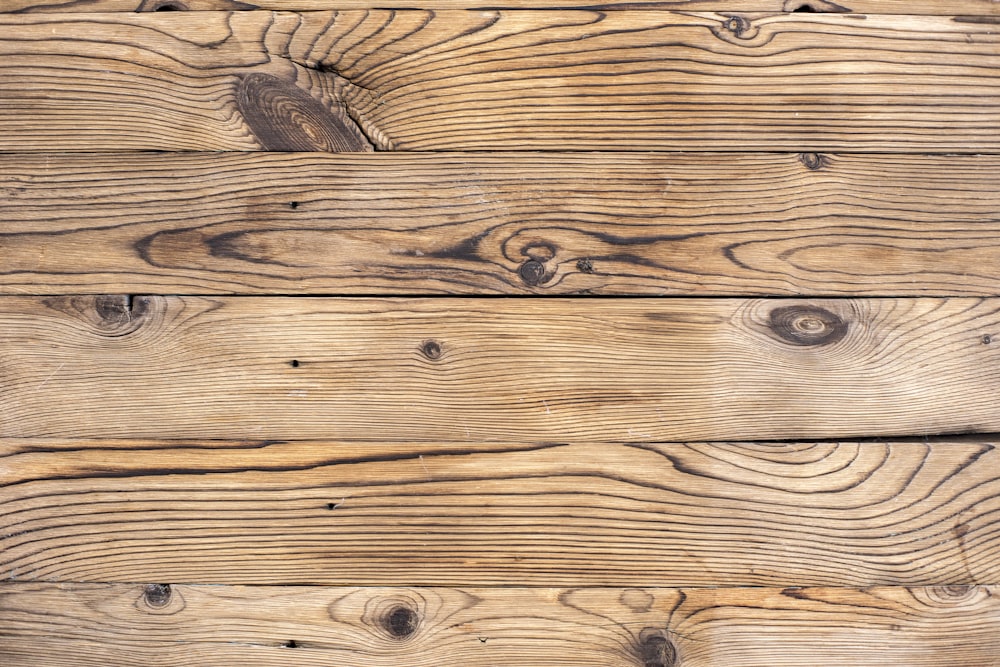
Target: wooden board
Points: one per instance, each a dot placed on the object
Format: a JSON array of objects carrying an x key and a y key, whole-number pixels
[
  {"x": 649, "y": 627},
  {"x": 932, "y": 7},
  {"x": 492, "y": 80},
  {"x": 494, "y": 370},
  {"x": 620, "y": 223},
  {"x": 778, "y": 514}
]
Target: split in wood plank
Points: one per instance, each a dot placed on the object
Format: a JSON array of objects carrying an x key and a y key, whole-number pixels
[
  {"x": 211, "y": 626},
  {"x": 774, "y": 514},
  {"x": 624, "y": 223},
  {"x": 498, "y": 80}
]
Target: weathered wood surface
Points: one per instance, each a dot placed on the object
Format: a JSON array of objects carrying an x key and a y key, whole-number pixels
[
  {"x": 504, "y": 514},
  {"x": 492, "y": 80},
  {"x": 932, "y": 7},
  {"x": 640, "y": 627},
  {"x": 495, "y": 370},
  {"x": 621, "y": 223}
]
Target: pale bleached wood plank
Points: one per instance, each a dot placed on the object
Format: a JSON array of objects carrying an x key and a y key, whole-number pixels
[
  {"x": 494, "y": 80},
  {"x": 493, "y": 370},
  {"x": 719, "y": 224},
  {"x": 473, "y": 514},
  {"x": 641, "y": 627}
]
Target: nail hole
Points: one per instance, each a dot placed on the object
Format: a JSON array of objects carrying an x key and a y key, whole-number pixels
[
  {"x": 431, "y": 349},
  {"x": 294, "y": 363},
  {"x": 293, "y": 204},
  {"x": 401, "y": 622},
  {"x": 987, "y": 339},
  {"x": 157, "y": 595},
  {"x": 331, "y": 506},
  {"x": 291, "y": 644}
]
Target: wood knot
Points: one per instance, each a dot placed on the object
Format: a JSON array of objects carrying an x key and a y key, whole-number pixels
[
  {"x": 532, "y": 272},
  {"x": 585, "y": 265},
  {"x": 812, "y": 161},
  {"x": 807, "y": 325},
  {"x": 431, "y": 349},
  {"x": 400, "y": 622},
  {"x": 656, "y": 650},
  {"x": 283, "y": 117},
  {"x": 157, "y": 596},
  {"x": 738, "y": 25},
  {"x": 162, "y": 6}
]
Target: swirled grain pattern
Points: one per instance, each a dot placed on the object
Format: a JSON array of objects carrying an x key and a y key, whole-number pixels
[
  {"x": 255, "y": 512},
  {"x": 622, "y": 223},
  {"x": 505, "y": 80}
]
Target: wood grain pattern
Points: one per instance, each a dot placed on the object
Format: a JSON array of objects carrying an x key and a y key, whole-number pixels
[
  {"x": 648, "y": 627},
  {"x": 503, "y": 514},
  {"x": 493, "y": 370},
  {"x": 495, "y": 80},
  {"x": 920, "y": 7},
  {"x": 531, "y": 224}
]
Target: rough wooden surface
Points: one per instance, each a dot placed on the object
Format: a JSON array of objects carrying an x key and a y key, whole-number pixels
[
  {"x": 489, "y": 370},
  {"x": 639, "y": 627},
  {"x": 505, "y": 514},
  {"x": 712, "y": 224},
  {"x": 493, "y": 80},
  {"x": 933, "y": 7},
  {"x": 494, "y": 370}
]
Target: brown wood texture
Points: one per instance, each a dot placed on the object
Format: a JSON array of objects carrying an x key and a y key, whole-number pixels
[
  {"x": 623, "y": 223},
  {"x": 495, "y": 370},
  {"x": 495, "y": 80},
  {"x": 772, "y": 514},
  {"x": 640, "y": 627},
  {"x": 932, "y": 7}
]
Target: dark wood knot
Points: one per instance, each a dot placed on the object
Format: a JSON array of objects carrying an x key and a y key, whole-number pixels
[
  {"x": 532, "y": 272},
  {"x": 737, "y": 25},
  {"x": 431, "y": 349},
  {"x": 807, "y": 325},
  {"x": 157, "y": 596},
  {"x": 656, "y": 650},
  {"x": 585, "y": 265},
  {"x": 400, "y": 622},
  {"x": 283, "y": 117},
  {"x": 812, "y": 161}
]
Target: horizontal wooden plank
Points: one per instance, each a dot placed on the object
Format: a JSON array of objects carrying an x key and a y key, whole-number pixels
[
  {"x": 503, "y": 514},
  {"x": 640, "y": 627},
  {"x": 474, "y": 370},
  {"x": 495, "y": 80},
  {"x": 623, "y": 223},
  {"x": 918, "y": 7}
]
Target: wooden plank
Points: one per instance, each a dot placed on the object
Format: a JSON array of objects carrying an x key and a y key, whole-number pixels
[
  {"x": 649, "y": 627},
  {"x": 919, "y": 7},
  {"x": 745, "y": 224},
  {"x": 474, "y": 370},
  {"x": 498, "y": 80},
  {"x": 503, "y": 514}
]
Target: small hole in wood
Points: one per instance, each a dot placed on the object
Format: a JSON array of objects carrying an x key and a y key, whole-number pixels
[
  {"x": 804, "y": 9},
  {"x": 293, "y": 205},
  {"x": 170, "y": 7},
  {"x": 294, "y": 363},
  {"x": 987, "y": 339},
  {"x": 291, "y": 644}
]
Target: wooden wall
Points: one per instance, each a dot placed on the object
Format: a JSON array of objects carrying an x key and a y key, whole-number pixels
[{"x": 452, "y": 333}]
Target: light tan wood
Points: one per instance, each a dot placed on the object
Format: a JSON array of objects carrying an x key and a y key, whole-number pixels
[
  {"x": 493, "y": 370},
  {"x": 932, "y": 7},
  {"x": 500, "y": 514},
  {"x": 491, "y": 80},
  {"x": 640, "y": 627},
  {"x": 512, "y": 223}
]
